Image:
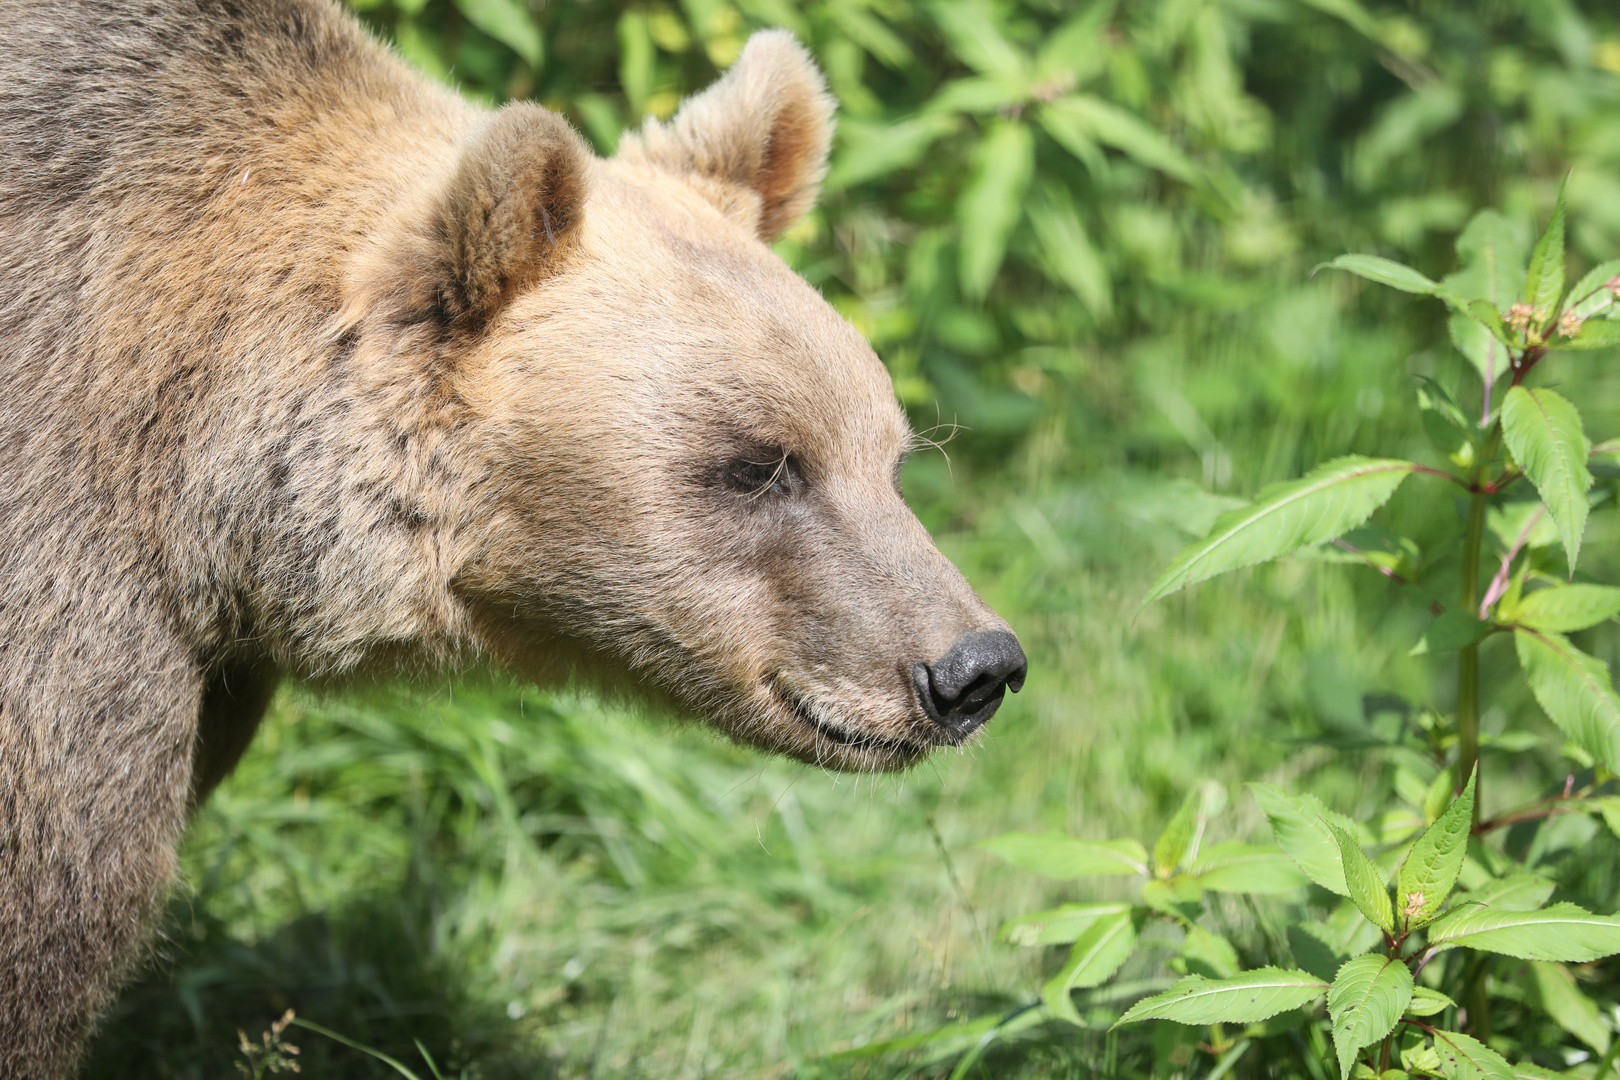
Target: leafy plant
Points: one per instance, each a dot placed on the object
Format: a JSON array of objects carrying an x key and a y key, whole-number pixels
[{"x": 1399, "y": 979}]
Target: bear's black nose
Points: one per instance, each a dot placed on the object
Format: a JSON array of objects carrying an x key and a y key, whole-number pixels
[{"x": 963, "y": 689}]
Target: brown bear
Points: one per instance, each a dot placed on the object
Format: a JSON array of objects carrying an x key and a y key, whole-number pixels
[{"x": 311, "y": 369}]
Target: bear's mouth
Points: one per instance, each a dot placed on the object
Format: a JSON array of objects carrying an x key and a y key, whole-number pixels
[{"x": 800, "y": 710}]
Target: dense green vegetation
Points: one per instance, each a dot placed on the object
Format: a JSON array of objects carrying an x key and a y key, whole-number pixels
[{"x": 1082, "y": 237}]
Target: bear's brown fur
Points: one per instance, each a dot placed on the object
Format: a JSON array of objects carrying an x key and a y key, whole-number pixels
[{"x": 310, "y": 369}]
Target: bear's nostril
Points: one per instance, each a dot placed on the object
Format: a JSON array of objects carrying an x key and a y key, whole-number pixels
[{"x": 962, "y": 689}]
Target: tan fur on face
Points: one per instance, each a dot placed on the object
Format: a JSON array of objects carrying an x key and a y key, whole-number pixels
[{"x": 310, "y": 369}]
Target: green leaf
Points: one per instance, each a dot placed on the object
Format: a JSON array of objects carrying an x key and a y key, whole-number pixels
[
  {"x": 1236, "y": 867},
  {"x": 977, "y": 41},
  {"x": 1210, "y": 952},
  {"x": 1365, "y": 881},
  {"x": 1069, "y": 252},
  {"x": 1567, "y": 608},
  {"x": 1178, "y": 837},
  {"x": 1491, "y": 251},
  {"x": 868, "y": 151},
  {"x": 1246, "y": 999},
  {"x": 1430, "y": 869},
  {"x": 1444, "y": 422},
  {"x": 1093, "y": 959},
  {"x": 1593, "y": 334},
  {"x": 993, "y": 202},
  {"x": 1543, "y": 431},
  {"x": 1427, "y": 1002},
  {"x": 1544, "y": 282},
  {"x": 1331, "y": 500},
  {"x": 1574, "y": 689},
  {"x": 1570, "y": 1009},
  {"x": 1316, "y": 949},
  {"x": 1386, "y": 272},
  {"x": 1482, "y": 340},
  {"x": 1591, "y": 294},
  {"x": 1463, "y": 1058},
  {"x": 1058, "y": 856},
  {"x": 508, "y": 22},
  {"x": 1113, "y": 126},
  {"x": 1516, "y": 892},
  {"x": 1365, "y": 1003},
  {"x": 1303, "y": 828},
  {"x": 1057, "y": 926},
  {"x": 1450, "y": 630},
  {"x": 1608, "y": 808},
  {"x": 1562, "y": 932}
]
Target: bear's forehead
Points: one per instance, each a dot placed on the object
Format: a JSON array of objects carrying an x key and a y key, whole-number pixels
[{"x": 722, "y": 313}]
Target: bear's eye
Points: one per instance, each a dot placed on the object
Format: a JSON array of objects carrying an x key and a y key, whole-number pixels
[{"x": 756, "y": 474}]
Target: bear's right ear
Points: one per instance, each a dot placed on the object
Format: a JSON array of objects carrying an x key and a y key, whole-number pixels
[{"x": 509, "y": 215}]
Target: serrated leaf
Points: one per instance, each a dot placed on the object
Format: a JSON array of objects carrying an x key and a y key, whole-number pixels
[
  {"x": 1236, "y": 867},
  {"x": 1608, "y": 808},
  {"x": 1430, "y": 869},
  {"x": 1525, "y": 1070},
  {"x": 1591, "y": 294},
  {"x": 1464, "y": 1058},
  {"x": 1427, "y": 1002},
  {"x": 1386, "y": 272},
  {"x": 1543, "y": 431},
  {"x": 1421, "y": 1059},
  {"x": 1516, "y": 892},
  {"x": 1544, "y": 281},
  {"x": 1593, "y": 334},
  {"x": 1562, "y": 932},
  {"x": 1093, "y": 959},
  {"x": 1302, "y": 826},
  {"x": 1574, "y": 689},
  {"x": 993, "y": 202},
  {"x": 1570, "y": 1009},
  {"x": 1057, "y": 926},
  {"x": 1450, "y": 630},
  {"x": 1247, "y": 999},
  {"x": 1058, "y": 856},
  {"x": 1567, "y": 608},
  {"x": 1364, "y": 881},
  {"x": 1365, "y": 1003},
  {"x": 1331, "y": 500},
  {"x": 508, "y": 22}
]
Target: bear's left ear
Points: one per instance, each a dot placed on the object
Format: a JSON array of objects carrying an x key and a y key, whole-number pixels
[{"x": 765, "y": 127}]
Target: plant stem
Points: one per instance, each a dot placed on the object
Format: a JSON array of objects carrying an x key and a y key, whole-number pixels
[{"x": 1468, "y": 658}]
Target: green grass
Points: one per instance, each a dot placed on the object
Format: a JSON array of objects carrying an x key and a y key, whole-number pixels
[{"x": 535, "y": 884}]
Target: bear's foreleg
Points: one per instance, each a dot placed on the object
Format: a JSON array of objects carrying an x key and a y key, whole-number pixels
[
  {"x": 96, "y": 741},
  {"x": 233, "y": 703}
]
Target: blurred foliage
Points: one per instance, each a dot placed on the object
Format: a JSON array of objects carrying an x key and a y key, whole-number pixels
[{"x": 1085, "y": 234}]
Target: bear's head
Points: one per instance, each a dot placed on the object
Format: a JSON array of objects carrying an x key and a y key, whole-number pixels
[{"x": 691, "y": 461}]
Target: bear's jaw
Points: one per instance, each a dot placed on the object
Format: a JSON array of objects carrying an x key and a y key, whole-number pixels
[{"x": 818, "y": 739}]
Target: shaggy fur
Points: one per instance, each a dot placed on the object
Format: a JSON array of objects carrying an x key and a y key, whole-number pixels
[{"x": 310, "y": 369}]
